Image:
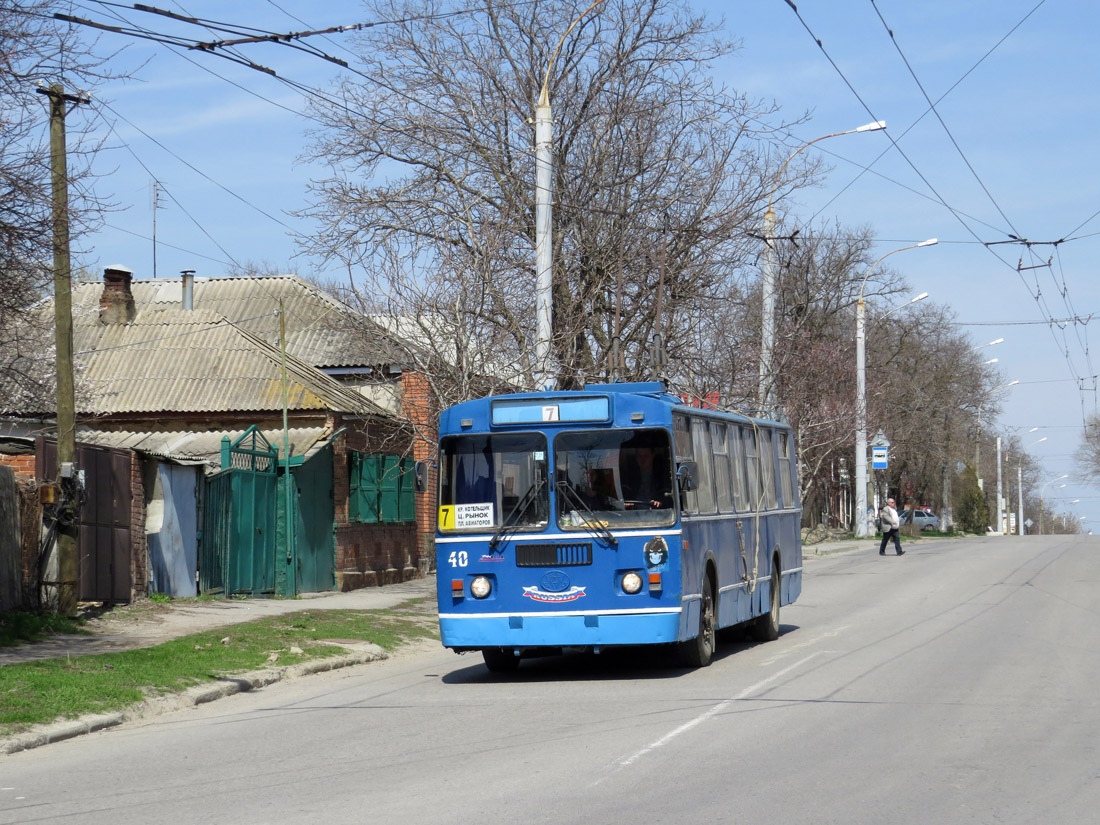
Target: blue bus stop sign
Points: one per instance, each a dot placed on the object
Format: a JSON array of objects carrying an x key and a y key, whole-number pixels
[{"x": 878, "y": 458}]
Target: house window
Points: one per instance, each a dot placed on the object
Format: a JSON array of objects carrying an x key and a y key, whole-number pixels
[{"x": 380, "y": 488}]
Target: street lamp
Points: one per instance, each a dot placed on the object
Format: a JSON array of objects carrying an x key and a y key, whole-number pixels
[
  {"x": 768, "y": 273},
  {"x": 1042, "y": 490},
  {"x": 544, "y": 254},
  {"x": 861, "y": 391},
  {"x": 1020, "y": 484},
  {"x": 990, "y": 344},
  {"x": 978, "y": 443}
]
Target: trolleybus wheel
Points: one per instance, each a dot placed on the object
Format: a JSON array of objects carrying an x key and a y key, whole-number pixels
[
  {"x": 698, "y": 652},
  {"x": 500, "y": 659},
  {"x": 767, "y": 626}
]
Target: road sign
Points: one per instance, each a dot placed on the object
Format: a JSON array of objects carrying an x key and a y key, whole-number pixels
[{"x": 879, "y": 458}]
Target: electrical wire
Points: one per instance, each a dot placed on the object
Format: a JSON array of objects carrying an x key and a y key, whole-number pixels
[
  {"x": 939, "y": 117},
  {"x": 1036, "y": 293}
]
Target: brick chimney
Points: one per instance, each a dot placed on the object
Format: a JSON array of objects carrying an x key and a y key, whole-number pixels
[{"x": 116, "y": 304}]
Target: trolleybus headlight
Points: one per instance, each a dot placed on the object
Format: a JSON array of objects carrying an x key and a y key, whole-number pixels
[
  {"x": 481, "y": 587},
  {"x": 632, "y": 582}
]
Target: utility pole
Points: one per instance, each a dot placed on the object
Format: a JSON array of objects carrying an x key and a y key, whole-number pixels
[
  {"x": 1000, "y": 495},
  {"x": 156, "y": 203},
  {"x": 68, "y": 573},
  {"x": 1019, "y": 499},
  {"x": 768, "y": 278}
]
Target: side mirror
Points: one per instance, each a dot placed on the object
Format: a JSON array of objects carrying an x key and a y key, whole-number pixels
[
  {"x": 421, "y": 475},
  {"x": 687, "y": 476}
]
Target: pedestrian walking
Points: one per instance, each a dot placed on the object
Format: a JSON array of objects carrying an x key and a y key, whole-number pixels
[{"x": 890, "y": 525}]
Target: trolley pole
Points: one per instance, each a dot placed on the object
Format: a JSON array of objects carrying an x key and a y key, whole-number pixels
[{"x": 68, "y": 573}]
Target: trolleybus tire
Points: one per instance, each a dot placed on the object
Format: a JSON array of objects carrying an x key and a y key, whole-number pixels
[
  {"x": 500, "y": 659},
  {"x": 767, "y": 625},
  {"x": 699, "y": 651}
]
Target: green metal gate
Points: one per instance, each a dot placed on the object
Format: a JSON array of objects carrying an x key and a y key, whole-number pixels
[
  {"x": 245, "y": 549},
  {"x": 313, "y": 517},
  {"x": 237, "y": 551}
]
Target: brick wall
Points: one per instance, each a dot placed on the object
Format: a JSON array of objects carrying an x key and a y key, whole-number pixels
[
  {"x": 30, "y": 522},
  {"x": 139, "y": 549},
  {"x": 370, "y": 555},
  {"x": 419, "y": 408},
  {"x": 22, "y": 465}
]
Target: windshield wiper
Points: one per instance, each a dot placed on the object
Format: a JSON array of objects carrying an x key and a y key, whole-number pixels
[
  {"x": 508, "y": 524},
  {"x": 593, "y": 526}
]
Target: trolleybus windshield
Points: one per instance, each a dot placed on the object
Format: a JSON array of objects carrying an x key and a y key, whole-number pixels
[
  {"x": 492, "y": 481},
  {"x": 614, "y": 478}
]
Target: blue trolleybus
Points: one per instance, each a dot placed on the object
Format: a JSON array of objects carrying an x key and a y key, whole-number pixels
[{"x": 612, "y": 515}]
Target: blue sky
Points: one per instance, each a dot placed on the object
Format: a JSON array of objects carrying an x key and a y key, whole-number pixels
[{"x": 1024, "y": 120}]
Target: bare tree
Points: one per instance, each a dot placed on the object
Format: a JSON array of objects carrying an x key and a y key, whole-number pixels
[
  {"x": 430, "y": 206},
  {"x": 34, "y": 50},
  {"x": 1088, "y": 455}
]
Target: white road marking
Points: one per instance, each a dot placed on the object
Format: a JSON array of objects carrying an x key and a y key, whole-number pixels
[
  {"x": 707, "y": 714},
  {"x": 832, "y": 634}
]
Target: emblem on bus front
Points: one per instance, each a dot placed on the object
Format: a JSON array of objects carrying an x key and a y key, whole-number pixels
[
  {"x": 554, "y": 582},
  {"x": 570, "y": 595}
]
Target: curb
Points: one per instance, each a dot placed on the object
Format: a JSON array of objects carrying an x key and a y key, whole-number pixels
[
  {"x": 200, "y": 695},
  {"x": 830, "y": 548}
]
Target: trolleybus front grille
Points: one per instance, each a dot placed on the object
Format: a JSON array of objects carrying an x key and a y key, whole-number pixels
[{"x": 553, "y": 555}]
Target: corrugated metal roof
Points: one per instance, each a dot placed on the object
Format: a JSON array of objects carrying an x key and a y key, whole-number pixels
[
  {"x": 320, "y": 330},
  {"x": 201, "y": 446},
  {"x": 193, "y": 361}
]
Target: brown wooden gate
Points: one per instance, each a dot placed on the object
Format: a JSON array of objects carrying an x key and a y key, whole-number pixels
[{"x": 104, "y": 541}]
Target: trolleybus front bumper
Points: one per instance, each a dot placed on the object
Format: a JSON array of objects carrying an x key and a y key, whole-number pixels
[{"x": 575, "y": 629}]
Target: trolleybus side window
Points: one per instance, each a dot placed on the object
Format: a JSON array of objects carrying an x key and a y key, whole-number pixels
[
  {"x": 786, "y": 485},
  {"x": 767, "y": 467},
  {"x": 737, "y": 462},
  {"x": 700, "y": 437},
  {"x": 720, "y": 446},
  {"x": 752, "y": 469},
  {"x": 681, "y": 433}
]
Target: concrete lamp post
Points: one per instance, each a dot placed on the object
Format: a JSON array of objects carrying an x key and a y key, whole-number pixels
[
  {"x": 1020, "y": 486},
  {"x": 545, "y": 375},
  {"x": 1042, "y": 491},
  {"x": 982, "y": 403},
  {"x": 770, "y": 269},
  {"x": 861, "y": 528}
]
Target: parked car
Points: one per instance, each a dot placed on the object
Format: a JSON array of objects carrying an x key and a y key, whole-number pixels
[{"x": 924, "y": 519}]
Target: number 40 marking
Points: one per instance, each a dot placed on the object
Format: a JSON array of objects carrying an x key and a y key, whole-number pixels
[{"x": 459, "y": 558}]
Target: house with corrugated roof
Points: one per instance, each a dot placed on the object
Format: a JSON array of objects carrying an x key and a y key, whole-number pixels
[{"x": 271, "y": 448}]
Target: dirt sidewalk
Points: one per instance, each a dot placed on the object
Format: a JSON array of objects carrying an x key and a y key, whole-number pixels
[{"x": 147, "y": 623}]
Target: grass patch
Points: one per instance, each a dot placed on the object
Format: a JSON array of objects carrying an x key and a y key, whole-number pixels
[
  {"x": 39, "y": 692},
  {"x": 19, "y": 626}
]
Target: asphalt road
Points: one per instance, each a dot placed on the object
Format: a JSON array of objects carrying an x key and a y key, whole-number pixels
[{"x": 957, "y": 683}]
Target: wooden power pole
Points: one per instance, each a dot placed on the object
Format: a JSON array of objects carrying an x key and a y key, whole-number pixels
[{"x": 68, "y": 573}]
